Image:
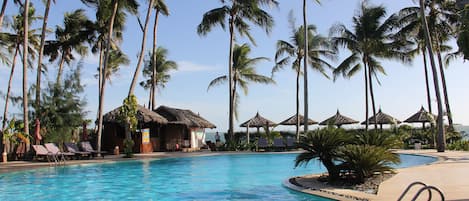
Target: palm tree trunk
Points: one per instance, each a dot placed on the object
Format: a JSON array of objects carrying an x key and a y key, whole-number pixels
[
  {"x": 155, "y": 32},
  {"x": 101, "y": 75},
  {"x": 41, "y": 52},
  {"x": 61, "y": 68},
  {"x": 305, "y": 71},
  {"x": 445, "y": 91},
  {"x": 5, "y": 111},
  {"x": 150, "y": 95},
  {"x": 142, "y": 49},
  {"x": 365, "y": 70},
  {"x": 441, "y": 132},
  {"x": 103, "y": 81},
  {"x": 298, "y": 104},
  {"x": 372, "y": 96},
  {"x": 2, "y": 13},
  {"x": 230, "y": 79},
  {"x": 427, "y": 84},
  {"x": 25, "y": 72}
]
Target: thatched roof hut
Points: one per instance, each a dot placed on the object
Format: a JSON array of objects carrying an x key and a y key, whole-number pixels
[
  {"x": 382, "y": 118},
  {"x": 422, "y": 116},
  {"x": 338, "y": 120},
  {"x": 293, "y": 121},
  {"x": 183, "y": 117},
  {"x": 258, "y": 121},
  {"x": 144, "y": 115}
]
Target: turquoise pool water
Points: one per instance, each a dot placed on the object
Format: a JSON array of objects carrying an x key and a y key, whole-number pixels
[{"x": 224, "y": 177}]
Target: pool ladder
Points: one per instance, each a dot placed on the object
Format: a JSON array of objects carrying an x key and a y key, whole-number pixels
[{"x": 424, "y": 187}]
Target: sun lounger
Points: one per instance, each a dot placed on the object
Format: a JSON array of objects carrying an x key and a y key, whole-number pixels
[
  {"x": 73, "y": 148},
  {"x": 262, "y": 143},
  {"x": 278, "y": 144},
  {"x": 51, "y": 147},
  {"x": 291, "y": 143},
  {"x": 41, "y": 151},
  {"x": 86, "y": 146}
]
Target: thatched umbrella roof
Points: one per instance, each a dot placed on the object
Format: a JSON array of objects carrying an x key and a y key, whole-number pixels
[
  {"x": 382, "y": 118},
  {"x": 144, "y": 115},
  {"x": 338, "y": 120},
  {"x": 292, "y": 121},
  {"x": 422, "y": 116},
  {"x": 258, "y": 121},
  {"x": 183, "y": 117}
]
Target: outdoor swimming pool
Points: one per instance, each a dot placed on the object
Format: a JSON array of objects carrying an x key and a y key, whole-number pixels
[{"x": 223, "y": 177}]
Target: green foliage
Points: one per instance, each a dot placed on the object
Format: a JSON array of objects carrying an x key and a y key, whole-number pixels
[
  {"x": 128, "y": 147},
  {"x": 13, "y": 132},
  {"x": 459, "y": 145},
  {"x": 463, "y": 37},
  {"x": 270, "y": 136},
  {"x": 383, "y": 139},
  {"x": 128, "y": 113},
  {"x": 365, "y": 160}
]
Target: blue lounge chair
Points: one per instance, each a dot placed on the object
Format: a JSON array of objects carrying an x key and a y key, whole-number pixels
[
  {"x": 279, "y": 144},
  {"x": 262, "y": 143}
]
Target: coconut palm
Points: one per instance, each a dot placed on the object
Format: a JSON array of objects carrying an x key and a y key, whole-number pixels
[
  {"x": 244, "y": 72},
  {"x": 71, "y": 38},
  {"x": 463, "y": 33},
  {"x": 157, "y": 74},
  {"x": 25, "y": 68},
  {"x": 142, "y": 48},
  {"x": 3, "y": 9},
  {"x": 237, "y": 15},
  {"x": 294, "y": 50},
  {"x": 369, "y": 40}
]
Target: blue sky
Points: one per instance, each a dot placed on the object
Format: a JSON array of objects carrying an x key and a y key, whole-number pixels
[{"x": 201, "y": 59}]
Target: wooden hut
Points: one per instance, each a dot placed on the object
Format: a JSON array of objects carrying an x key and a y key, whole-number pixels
[
  {"x": 185, "y": 130},
  {"x": 114, "y": 133}
]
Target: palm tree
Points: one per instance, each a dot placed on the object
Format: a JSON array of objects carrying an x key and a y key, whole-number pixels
[
  {"x": 236, "y": 15},
  {"x": 294, "y": 50},
  {"x": 142, "y": 48},
  {"x": 41, "y": 52},
  {"x": 25, "y": 69},
  {"x": 157, "y": 74},
  {"x": 3, "y": 9},
  {"x": 369, "y": 41},
  {"x": 244, "y": 72},
  {"x": 71, "y": 38}
]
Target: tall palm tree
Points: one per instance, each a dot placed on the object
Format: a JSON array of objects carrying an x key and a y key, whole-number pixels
[
  {"x": 142, "y": 48},
  {"x": 237, "y": 15},
  {"x": 25, "y": 69},
  {"x": 244, "y": 72},
  {"x": 71, "y": 38},
  {"x": 41, "y": 52},
  {"x": 157, "y": 74},
  {"x": 369, "y": 40},
  {"x": 294, "y": 50}
]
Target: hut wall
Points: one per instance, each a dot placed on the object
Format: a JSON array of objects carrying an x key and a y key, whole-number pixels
[
  {"x": 173, "y": 134},
  {"x": 113, "y": 135}
]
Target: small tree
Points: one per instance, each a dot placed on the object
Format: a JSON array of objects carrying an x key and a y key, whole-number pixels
[{"x": 128, "y": 118}]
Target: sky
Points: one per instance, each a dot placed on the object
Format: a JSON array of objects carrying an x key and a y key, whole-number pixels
[{"x": 203, "y": 58}]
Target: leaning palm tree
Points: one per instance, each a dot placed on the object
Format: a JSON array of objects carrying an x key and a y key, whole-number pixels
[
  {"x": 295, "y": 50},
  {"x": 244, "y": 72},
  {"x": 70, "y": 38},
  {"x": 157, "y": 74},
  {"x": 237, "y": 15},
  {"x": 369, "y": 40}
]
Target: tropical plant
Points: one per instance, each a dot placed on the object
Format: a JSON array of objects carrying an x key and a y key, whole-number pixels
[
  {"x": 463, "y": 33},
  {"x": 244, "y": 72},
  {"x": 323, "y": 144},
  {"x": 157, "y": 74},
  {"x": 128, "y": 118},
  {"x": 294, "y": 50},
  {"x": 236, "y": 15},
  {"x": 3, "y": 9},
  {"x": 369, "y": 40},
  {"x": 385, "y": 140},
  {"x": 365, "y": 160}
]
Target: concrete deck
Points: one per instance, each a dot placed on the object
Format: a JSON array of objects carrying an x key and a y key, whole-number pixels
[{"x": 450, "y": 174}]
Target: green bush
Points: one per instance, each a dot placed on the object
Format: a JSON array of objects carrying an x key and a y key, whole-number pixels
[
  {"x": 384, "y": 139},
  {"x": 128, "y": 147},
  {"x": 460, "y": 145}
]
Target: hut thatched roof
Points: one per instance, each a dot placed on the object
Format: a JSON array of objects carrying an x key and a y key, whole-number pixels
[
  {"x": 144, "y": 115},
  {"x": 292, "y": 121},
  {"x": 258, "y": 121},
  {"x": 183, "y": 117},
  {"x": 422, "y": 116},
  {"x": 382, "y": 118},
  {"x": 338, "y": 120}
]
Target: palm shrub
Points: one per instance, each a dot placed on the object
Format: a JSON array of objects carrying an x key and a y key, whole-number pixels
[
  {"x": 323, "y": 144},
  {"x": 383, "y": 139},
  {"x": 365, "y": 160}
]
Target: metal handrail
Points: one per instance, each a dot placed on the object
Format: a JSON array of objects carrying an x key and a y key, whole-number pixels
[
  {"x": 413, "y": 184},
  {"x": 429, "y": 188}
]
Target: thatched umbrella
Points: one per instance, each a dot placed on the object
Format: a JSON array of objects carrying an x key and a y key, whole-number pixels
[
  {"x": 257, "y": 121},
  {"x": 338, "y": 120},
  {"x": 292, "y": 121},
  {"x": 382, "y": 118},
  {"x": 422, "y": 116}
]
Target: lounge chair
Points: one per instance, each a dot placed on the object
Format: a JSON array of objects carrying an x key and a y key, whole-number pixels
[
  {"x": 262, "y": 143},
  {"x": 60, "y": 155},
  {"x": 279, "y": 144},
  {"x": 86, "y": 146},
  {"x": 291, "y": 143},
  {"x": 41, "y": 151},
  {"x": 73, "y": 148}
]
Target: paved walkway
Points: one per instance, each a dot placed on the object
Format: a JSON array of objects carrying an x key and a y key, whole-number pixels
[{"x": 450, "y": 174}]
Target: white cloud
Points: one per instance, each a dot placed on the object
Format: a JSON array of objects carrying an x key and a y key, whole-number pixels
[{"x": 187, "y": 66}]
